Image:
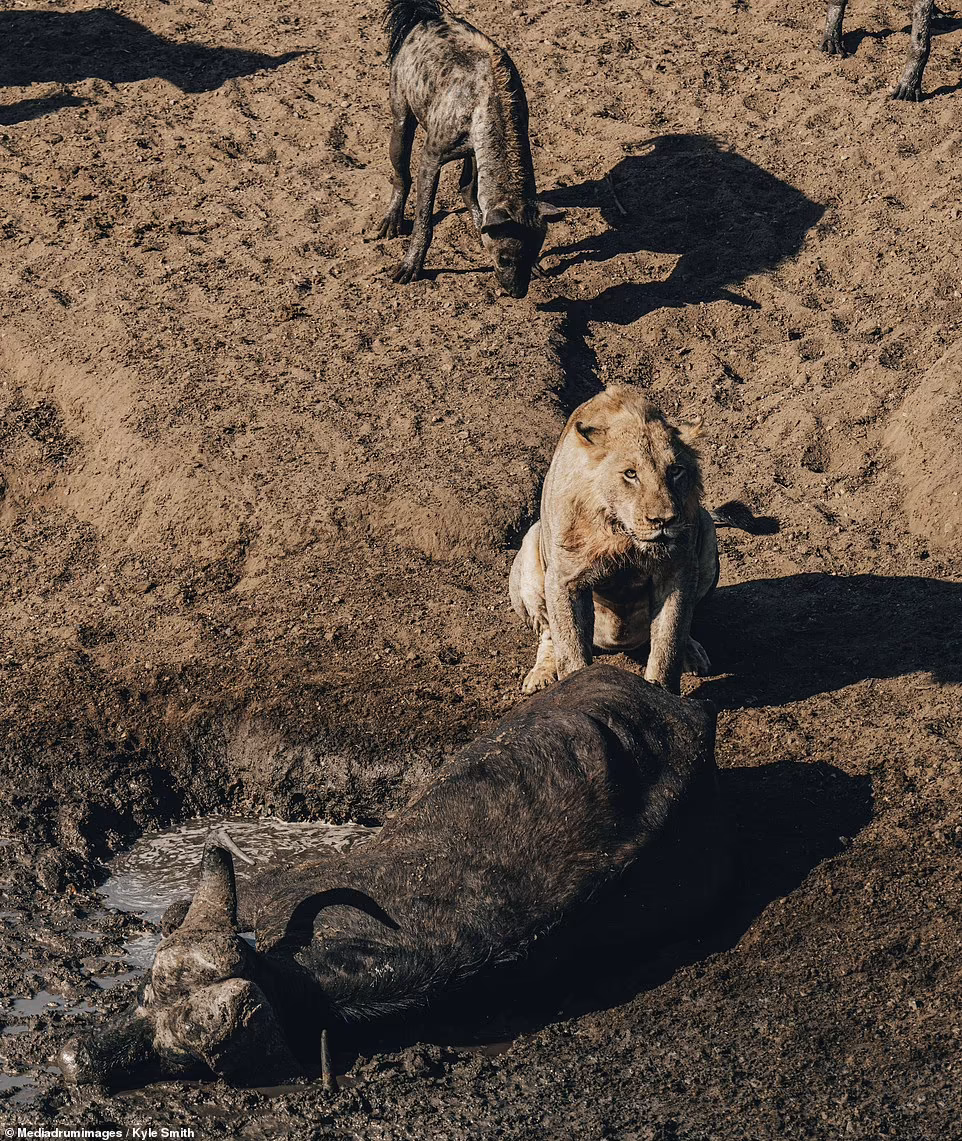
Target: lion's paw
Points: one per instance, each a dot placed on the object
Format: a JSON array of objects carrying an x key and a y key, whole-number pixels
[
  {"x": 538, "y": 678},
  {"x": 696, "y": 660}
]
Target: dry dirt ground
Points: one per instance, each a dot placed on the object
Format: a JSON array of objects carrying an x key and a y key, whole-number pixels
[{"x": 257, "y": 506}]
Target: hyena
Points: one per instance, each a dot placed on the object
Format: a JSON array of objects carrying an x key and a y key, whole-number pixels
[
  {"x": 910, "y": 83},
  {"x": 467, "y": 94}
]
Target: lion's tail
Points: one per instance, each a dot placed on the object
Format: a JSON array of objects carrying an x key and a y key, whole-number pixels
[{"x": 739, "y": 515}]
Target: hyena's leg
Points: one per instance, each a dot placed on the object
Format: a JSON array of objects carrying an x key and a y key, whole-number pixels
[
  {"x": 402, "y": 138},
  {"x": 428, "y": 175},
  {"x": 910, "y": 84},
  {"x": 832, "y": 40},
  {"x": 469, "y": 189}
]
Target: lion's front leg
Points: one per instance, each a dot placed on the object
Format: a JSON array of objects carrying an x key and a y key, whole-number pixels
[
  {"x": 545, "y": 670},
  {"x": 672, "y": 609},
  {"x": 570, "y": 621}
]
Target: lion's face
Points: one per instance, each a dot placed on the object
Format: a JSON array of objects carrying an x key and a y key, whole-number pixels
[{"x": 644, "y": 472}]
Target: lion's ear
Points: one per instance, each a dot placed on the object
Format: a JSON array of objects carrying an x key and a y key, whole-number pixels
[
  {"x": 588, "y": 433},
  {"x": 690, "y": 430}
]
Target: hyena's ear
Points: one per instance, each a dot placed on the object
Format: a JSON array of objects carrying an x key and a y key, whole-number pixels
[
  {"x": 588, "y": 433},
  {"x": 500, "y": 214},
  {"x": 689, "y": 430},
  {"x": 549, "y": 213}
]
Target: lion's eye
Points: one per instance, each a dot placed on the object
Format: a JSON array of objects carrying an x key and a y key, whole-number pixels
[
  {"x": 630, "y": 473},
  {"x": 677, "y": 474}
]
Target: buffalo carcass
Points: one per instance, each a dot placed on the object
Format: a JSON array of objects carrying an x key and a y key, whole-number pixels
[{"x": 589, "y": 813}]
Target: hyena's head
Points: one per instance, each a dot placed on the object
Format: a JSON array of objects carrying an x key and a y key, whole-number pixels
[
  {"x": 513, "y": 234},
  {"x": 200, "y": 1010}
]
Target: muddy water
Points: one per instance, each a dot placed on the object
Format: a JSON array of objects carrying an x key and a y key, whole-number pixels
[
  {"x": 163, "y": 866},
  {"x": 160, "y": 868}
]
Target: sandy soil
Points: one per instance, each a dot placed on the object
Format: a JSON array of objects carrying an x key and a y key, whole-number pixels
[{"x": 257, "y": 506}]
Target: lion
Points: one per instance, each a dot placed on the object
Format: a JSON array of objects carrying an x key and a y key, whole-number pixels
[{"x": 623, "y": 551}]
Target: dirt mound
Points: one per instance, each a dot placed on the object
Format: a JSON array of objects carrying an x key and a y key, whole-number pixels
[{"x": 926, "y": 437}]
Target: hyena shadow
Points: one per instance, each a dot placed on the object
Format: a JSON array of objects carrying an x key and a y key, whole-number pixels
[
  {"x": 68, "y": 47},
  {"x": 725, "y": 217}
]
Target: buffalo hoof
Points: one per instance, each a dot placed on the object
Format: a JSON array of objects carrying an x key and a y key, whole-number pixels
[{"x": 76, "y": 1065}]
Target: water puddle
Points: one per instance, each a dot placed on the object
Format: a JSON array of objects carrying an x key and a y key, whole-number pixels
[
  {"x": 163, "y": 866},
  {"x": 108, "y": 982},
  {"x": 160, "y": 868},
  {"x": 43, "y": 1000},
  {"x": 25, "y": 1010},
  {"x": 17, "y": 1089}
]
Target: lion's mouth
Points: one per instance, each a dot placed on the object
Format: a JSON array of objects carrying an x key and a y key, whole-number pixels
[{"x": 662, "y": 537}]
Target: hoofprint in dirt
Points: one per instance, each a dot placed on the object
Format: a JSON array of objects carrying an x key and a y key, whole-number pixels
[{"x": 258, "y": 505}]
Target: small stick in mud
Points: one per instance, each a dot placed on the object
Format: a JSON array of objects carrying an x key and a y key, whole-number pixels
[
  {"x": 467, "y": 94},
  {"x": 587, "y": 819},
  {"x": 909, "y": 86},
  {"x": 614, "y": 197},
  {"x": 328, "y": 1081}
]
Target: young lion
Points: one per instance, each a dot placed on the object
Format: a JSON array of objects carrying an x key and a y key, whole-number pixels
[{"x": 623, "y": 551}]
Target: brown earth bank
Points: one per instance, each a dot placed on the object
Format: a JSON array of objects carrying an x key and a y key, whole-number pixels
[{"x": 257, "y": 506}]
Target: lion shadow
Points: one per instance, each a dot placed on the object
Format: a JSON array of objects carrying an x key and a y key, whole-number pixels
[
  {"x": 785, "y": 639},
  {"x": 68, "y": 47},
  {"x": 28, "y": 109},
  {"x": 725, "y": 217}
]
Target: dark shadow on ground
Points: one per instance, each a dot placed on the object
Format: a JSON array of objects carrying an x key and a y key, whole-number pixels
[
  {"x": 852, "y": 41},
  {"x": 686, "y": 195},
  {"x": 785, "y": 639},
  {"x": 28, "y": 109},
  {"x": 787, "y": 818},
  {"x": 943, "y": 24},
  {"x": 67, "y": 47}
]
